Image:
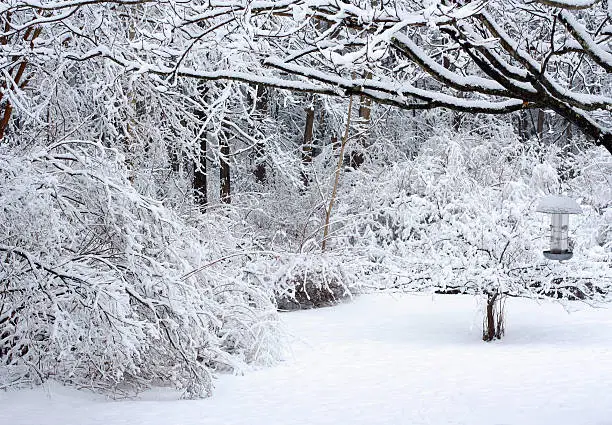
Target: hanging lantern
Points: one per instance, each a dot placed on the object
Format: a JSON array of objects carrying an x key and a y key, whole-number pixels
[{"x": 559, "y": 208}]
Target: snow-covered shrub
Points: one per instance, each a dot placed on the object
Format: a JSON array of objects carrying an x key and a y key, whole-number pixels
[
  {"x": 104, "y": 288},
  {"x": 302, "y": 281}
]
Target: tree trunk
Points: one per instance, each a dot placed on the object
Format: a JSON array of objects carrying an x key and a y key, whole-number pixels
[
  {"x": 523, "y": 128},
  {"x": 335, "y": 143},
  {"x": 540, "y": 125},
  {"x": 6, "y": 116},
  {"x": 357, "y": 156},
  {"x": 200, "y": 174},
  {"x": 224, "y": 171},
  {"x": 457, "y": 116},
  {"x": 332, "y": 198},
  {"x": 494, "y": 318},
  {"x": 261, "y": 108},
  {"x": 19, "y": 71},
  {"x": 200, "y": 166},
  {"x": 489, "y": 331},
  {"x": 307, "y": 143},
  {"x": 365, "y": 107},
  {"x": 259, "y": 171}
]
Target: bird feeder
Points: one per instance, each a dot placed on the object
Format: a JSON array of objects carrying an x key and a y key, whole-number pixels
[{"x": 559, "y": 208}]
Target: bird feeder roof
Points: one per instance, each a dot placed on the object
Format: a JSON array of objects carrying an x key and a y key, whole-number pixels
[{"x": 556, "y": 204}]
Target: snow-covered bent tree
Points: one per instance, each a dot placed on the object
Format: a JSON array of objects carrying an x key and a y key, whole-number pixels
[{"x": 104, "y": 288}]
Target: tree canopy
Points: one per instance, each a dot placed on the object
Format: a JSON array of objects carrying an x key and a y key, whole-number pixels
[{"x": 475, "y": 56}]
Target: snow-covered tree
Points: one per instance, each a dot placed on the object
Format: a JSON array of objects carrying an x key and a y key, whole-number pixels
[
  {"x": 460, "y": 218},
  {"x": 105, "y": 288}
]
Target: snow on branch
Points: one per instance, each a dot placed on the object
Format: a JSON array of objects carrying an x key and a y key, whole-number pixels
[
  {"x": 396, "y": 93},
  {"x": 569, "y": 4},
  {"x": 472, "y": 83},
  {"x": 580, "y": 33}
]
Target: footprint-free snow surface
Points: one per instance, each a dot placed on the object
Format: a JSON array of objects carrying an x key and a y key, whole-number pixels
[{"x": 385, "y": 359}]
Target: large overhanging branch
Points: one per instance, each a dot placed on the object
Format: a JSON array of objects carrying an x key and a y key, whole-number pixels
[
  {"x": 543, "y": 82},
  {"x": 401, "y": 95},
  {"x": 445, "y": 76},
  {"x": 397, "y": 93},
  {"x": 524, "y": 83}
]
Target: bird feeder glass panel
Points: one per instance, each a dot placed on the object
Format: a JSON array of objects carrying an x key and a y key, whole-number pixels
[{"x": 558, "y": 233}]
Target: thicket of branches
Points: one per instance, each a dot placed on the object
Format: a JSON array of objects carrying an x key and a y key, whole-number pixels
[{"x": 103, "y": 287}]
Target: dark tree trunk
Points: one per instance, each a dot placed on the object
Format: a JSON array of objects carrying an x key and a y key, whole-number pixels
[
  {"x": 200, "y": 168},
  {"x": 365, "y": 108},
  {"x": 259, "y": 171},
  {"x": 335, "y": 143},
  {"x": 261, "y": 109},
  {"x": 224, "y": 171},
  {"x": 174, "y": 158},
  {"x": 321, "y": 130},
  {"x": 200, "y": 174},
  {"x": 456, "y": 116},
  {"x": 523, "y": 125},
  {"x": 540, "y": 125},
  {"x": 4, "y": 120},
  {"x": 307, "y": 143},
  {"x": 489, "y": 331},
  {"x": 494, "y": 318},
  {"x": 357, "y": 156},
  {"x": 19, "y": 82}
]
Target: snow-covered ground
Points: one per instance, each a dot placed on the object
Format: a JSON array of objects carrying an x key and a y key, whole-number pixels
[{"x": 385, "y": 360}]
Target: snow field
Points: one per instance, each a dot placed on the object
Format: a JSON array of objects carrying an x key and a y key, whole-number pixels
[{"x": 383, "y": 359}]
